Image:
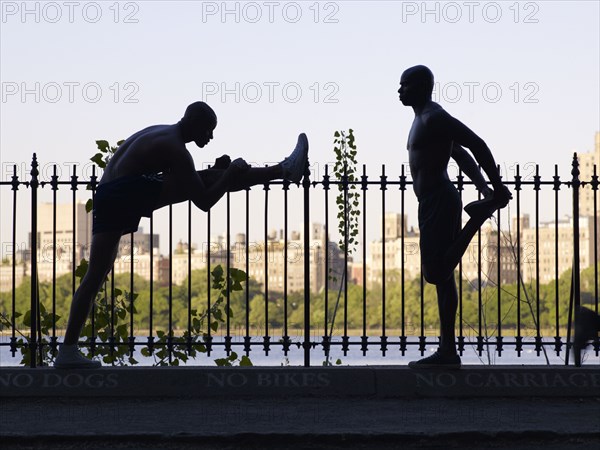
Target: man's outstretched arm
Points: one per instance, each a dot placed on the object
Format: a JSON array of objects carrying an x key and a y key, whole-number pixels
[
  {"x": 461, "y": 134},
  {"x": 468, "y": 165},
  {"x": 190, "y": 185}
]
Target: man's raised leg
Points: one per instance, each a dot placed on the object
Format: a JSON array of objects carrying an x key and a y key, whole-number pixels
[{"x": 443, "y": 270}]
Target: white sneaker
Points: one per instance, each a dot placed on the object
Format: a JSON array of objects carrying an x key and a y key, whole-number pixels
[
  {"x": 294, "y": 166},
  {"x": 69, "y": 357}
]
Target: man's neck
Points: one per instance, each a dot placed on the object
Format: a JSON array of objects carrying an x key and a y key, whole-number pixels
[{"x": 420, "y": 108}]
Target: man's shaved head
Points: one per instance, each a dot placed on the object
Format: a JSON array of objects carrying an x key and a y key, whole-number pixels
[
  {"x": 421, "y": 76},
  {"x": 198, "y": 120},
  {"x": 199, "y": 113}
]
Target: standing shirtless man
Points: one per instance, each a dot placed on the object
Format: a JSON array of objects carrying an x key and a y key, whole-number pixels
[
  {"x": 434, "y": 138},
  {"x": 152, "y": 169}
]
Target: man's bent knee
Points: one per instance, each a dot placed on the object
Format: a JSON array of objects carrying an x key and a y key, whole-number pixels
[{"x": 435, "y": 274}]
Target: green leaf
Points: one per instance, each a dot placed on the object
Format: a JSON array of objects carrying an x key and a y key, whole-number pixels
[
  {"x": 81, "y": 269},
  {"x": 245, "y": 361},
  {"x": 338, "y": 362},
  {"x": 89, "y": 205},
  {"x": 233, "y": 356},
  {"x": 99, "y": 160},
  {"x": 120, "y": 142},
  {"x": 222, "y": 362},
  {"x": 103, "y": 146},
  {"x": 214, "y": 326}
]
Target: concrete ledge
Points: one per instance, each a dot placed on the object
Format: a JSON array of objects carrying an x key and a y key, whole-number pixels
[{"x": 273, "y": 382}]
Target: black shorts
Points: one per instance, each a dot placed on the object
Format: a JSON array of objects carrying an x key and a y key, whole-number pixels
[
  {"x": 440, "y": 213},
  {"x": 120, "y": 204}
]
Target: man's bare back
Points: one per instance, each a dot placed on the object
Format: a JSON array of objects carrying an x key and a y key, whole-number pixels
[{"x": 151, "y": 150}]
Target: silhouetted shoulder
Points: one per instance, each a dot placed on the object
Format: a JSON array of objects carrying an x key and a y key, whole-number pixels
[{"x": 438, "y": 120}]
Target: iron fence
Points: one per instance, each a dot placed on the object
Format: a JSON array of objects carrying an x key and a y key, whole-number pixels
[{"x": 317, "y": 331}]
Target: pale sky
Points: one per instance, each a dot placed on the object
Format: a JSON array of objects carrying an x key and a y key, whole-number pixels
[{"x": 524, "y": 76}]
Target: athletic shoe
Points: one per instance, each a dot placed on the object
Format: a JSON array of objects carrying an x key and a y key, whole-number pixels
[
  {"x": 482, "y": 209},
  {"x": 69, "y": 357},
  {"x": 437, "y": 361},
  {"x": 295, "y": 165},
  {"x": 586, "y": 329}
]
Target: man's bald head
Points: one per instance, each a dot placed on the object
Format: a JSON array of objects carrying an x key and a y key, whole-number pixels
[
  {"x": 198, "y": 119},
  {"x": 420, "y": 77}
]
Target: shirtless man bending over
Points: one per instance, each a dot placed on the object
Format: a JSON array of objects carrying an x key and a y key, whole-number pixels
[
  {"x": 152, "y": 169},
  {"x": 434, "y": 138}
]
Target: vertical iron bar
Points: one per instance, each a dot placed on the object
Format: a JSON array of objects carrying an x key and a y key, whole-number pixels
[
  {"x": 345, "y": 338},
  {"x": 518, "y": 339},
  {"x": 112, "y": 310},
  {"x": 594, "y": 184},
  {"x": 54, "y": 184},
  {"x": 536, "y": 187},
  {"x": 74, "y": 178},
  {"x": 422, "y": 336},
  {"x": 557, "y": 338},
  {"x": 480, "y": 312},
  {"x": 383, "y": 275},
  {"x": 131, "y": 299},
  {"x": 170, "y": 336},
  {"x": 576, "y": 183},
  {"x": 286, "y": 338},
  {"x": 364, "y": 186},
  {"x": 228, "y": 275},
  {"x": 326, "y": 337},
  {"x": 402, "y": 274},
  {"x": 92, "y": 185},
  {"x": 189, "y": 278},
  {"x": 151, "y": 309},
  {"x": 73, "y": 224},
  {"x": 306, "y": 344},
  {"x": 247, "y": 346},
  {"x": 208, "y": 339},
  {"x": 499, "y": 283},
  {"x": 14, "y": 187},
  {"x": 33, "y": 184},
  {"x": 266, "y": 335},
  {"x": 461, "y": 338}
]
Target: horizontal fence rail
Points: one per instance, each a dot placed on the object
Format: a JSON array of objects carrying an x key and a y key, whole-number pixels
[{"x": 381, "y": 306}]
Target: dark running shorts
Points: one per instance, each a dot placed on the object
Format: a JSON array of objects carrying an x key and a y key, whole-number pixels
[
  {"x": 439, "y": 222},
  {"x": 120, "y": 204}
]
